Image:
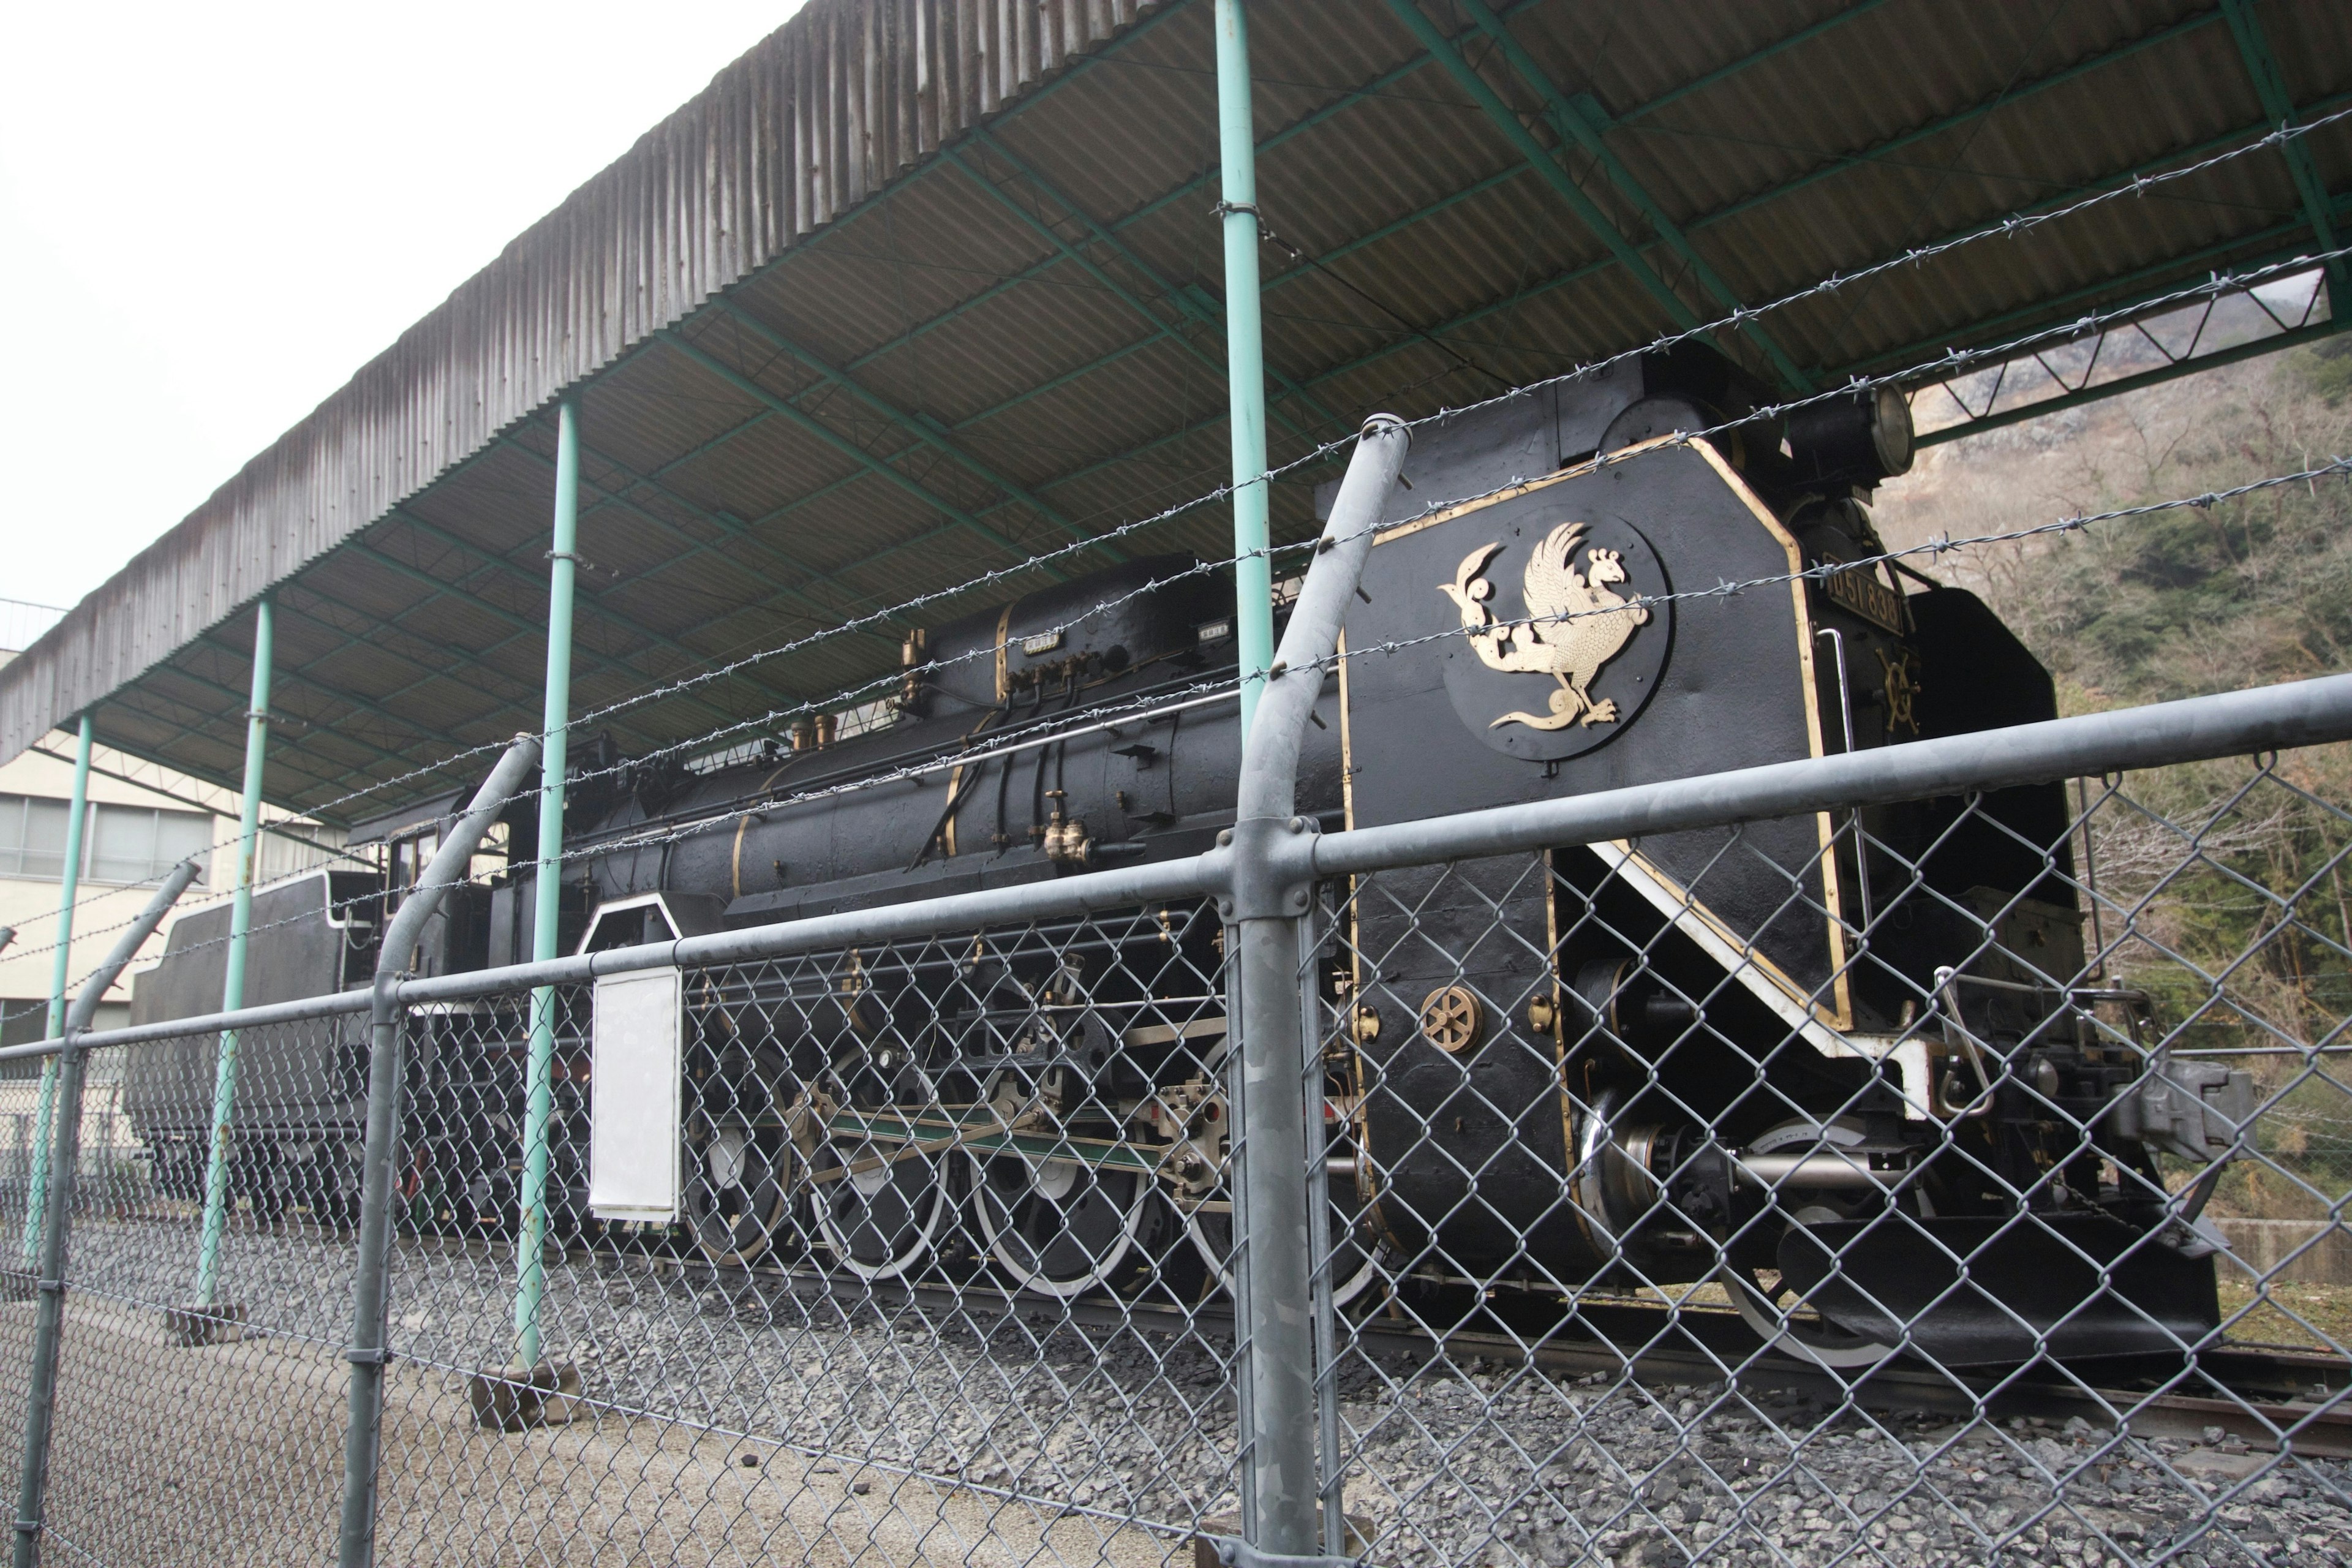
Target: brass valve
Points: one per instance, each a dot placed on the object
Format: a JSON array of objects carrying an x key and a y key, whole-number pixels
[
  {"x": 1366, "y": 1024},
  {"x": 1066, "y": 839}
]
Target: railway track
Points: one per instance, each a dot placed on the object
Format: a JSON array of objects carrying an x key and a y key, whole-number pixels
[{"x": 2274, "y": 1398}]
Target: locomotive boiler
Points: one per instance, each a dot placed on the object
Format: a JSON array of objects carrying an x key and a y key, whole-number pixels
[{"x": 1829, "y": 1062}]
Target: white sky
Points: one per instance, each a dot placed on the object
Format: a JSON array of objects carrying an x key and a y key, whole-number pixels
[{"x": 210, "y": 217}]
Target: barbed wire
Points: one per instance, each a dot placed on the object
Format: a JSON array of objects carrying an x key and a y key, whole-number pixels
[
  {"x": 2217, "y": 283},
  {"x": 1049, "y": 728},
  {"x": 2011, "y": 226}
]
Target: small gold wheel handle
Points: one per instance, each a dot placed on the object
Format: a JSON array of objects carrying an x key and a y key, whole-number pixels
[{"x": 1450, "y": 1018}]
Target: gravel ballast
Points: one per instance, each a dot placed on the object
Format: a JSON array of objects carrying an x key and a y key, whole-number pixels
[{"x": 731, "y": 1417}]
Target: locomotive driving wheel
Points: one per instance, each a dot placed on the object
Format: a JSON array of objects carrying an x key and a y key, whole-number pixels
[
  {"x": 1061, "y": 1228},
  {"x": 739, "y": 1180},
  {"x": 1770, "y": 1305},
  {"x": 883, "y": 1167},
  {"x": 739, "y": 1165},
  {"x": 1054, "y": 1214},
  {"x": 1355, "y": 1238}
]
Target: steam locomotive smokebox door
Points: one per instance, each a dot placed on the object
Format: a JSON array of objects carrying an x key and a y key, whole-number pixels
[
  {"x": 634, "y": 1134},
  {"x": 1537, "y": 660}
]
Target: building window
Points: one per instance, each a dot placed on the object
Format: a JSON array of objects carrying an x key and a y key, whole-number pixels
[{"x": 119, "y": 843}]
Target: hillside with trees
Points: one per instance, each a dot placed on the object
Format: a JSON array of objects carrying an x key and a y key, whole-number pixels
[{"x": 2220, "y": 888}]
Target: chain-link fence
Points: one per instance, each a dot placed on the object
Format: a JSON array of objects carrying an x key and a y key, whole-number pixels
[{"x": 1894, "y": 1156}]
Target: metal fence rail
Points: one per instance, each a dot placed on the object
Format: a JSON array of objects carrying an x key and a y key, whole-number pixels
[{"x": 1598, "y": 1180}]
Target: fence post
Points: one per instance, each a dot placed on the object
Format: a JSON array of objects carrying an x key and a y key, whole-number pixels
[
  {"x": 1271, "y": 885},
  {"x": 547, "y": 891},
  {"x": 40, "y": 1398},
  {"x": 1244, "y": 357},
  {"x": 36, "y": 1178},
  {"x": 203, "y": 1323},
  {"x": 363, "y": 1425}
]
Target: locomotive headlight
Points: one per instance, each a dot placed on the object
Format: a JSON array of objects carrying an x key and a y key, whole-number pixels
[{"x": 1860, "y": 439}]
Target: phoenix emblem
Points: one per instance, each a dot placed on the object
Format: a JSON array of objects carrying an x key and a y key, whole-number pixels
[{"x": 1574, "y": 623}]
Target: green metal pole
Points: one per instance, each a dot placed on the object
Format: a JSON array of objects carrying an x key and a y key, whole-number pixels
[
  {"x": 547, "y": 887},
  {"x": 240, "y": 923},
  {"x": 1244, "y": 358},
  {"x": 37, "y": 1186}
]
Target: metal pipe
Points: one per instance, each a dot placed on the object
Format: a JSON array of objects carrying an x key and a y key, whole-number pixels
[
  {"x": 2272, "y": 718},
  {"x": 36, "y": 1178},
  {"x": 1296, "y": 677},
  {"x": 1281, "y": 1185},
  {"x": 1244, "y": 357},
  {"x": 547, "y": 888},
  {"x": 240, "y": 925},
  {"x": 363, "y": 1430},
  {"x": 2197, "y": 729},
  {"x": 40, "y": 1398},
  {"x": 1280, "y": 1473},
  {"x": 1331, "y": 1476}
]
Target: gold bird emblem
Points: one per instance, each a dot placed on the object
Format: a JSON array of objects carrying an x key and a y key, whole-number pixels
[{"x": 1574, "y": 625}]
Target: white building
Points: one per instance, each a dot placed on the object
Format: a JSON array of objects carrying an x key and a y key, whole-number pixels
[{"x": 143, "y": 820}]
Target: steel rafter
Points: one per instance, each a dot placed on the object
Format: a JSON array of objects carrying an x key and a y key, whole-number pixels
[
  {"x": 2270, "y": 87},
  {"x": 179, "y": 731},
  {"x": 741, "y": 383},
  {"x": 347, "y": 736},
  {"x": 607, "y": 661},
  {"x": 730, "y": 532},
  {"x": 1113, "y": 228},
  {"x": 921, "y": 428},
  {"x": 1190, "y": 310},
  {"x": 297, "y": 744},
  {"x": 1532, "y": 153},
  {"x": 1211, "y": 315},
  {"x": 1839, "y": 163},
  {"x": 2312, "y": 332},
  {"x": 2160, "y": 278},
  {"x": 1577, "y": 274},
  {"x": 1571, "y": 122}
]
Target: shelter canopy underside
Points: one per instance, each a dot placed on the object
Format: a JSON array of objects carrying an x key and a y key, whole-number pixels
[{"x": 1012, "y": 340}]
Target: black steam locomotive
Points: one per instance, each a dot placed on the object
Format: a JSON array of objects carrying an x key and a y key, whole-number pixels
[{"x": 1827, "y": 1063}]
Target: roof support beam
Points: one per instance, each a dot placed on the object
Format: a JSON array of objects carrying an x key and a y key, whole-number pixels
[
  {"x": 362, "y": 703},
  {"x": 631, "y": 674},
  {"x": 1537, "y": 157},
  {"x": 1577, "y": 274},
  {"x": 1571, "y": 122},
  {"x": 1778, "y": 46},
  {"x": 2010, "y": 98},
  {"x": 2161, "y": 279},
  {"x": 1191, "y": 309},
  {"x": 179, "y": 731},
  {"x": 1208, "y": 315},
  {"x": 1196, "y": 185},
  {"x": 731, "y": 531},
  {"x": 2270, "y": 87},
  {"x": 857, "y": 454},
  {"x": 920, "y": 426}
]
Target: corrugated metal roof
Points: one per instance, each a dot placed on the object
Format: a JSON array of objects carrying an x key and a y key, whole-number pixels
[{"x": 880, "y": 311}]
